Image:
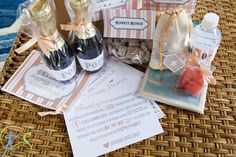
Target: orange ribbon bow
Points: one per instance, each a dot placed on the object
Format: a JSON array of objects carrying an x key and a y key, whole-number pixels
[
  {"x": 45, "y": 43},
  {"x": 194, "y": 60},
  {"x": 81, "y": 27}
]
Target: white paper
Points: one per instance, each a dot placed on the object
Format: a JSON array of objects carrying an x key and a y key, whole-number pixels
[
  {"x": 103, "y": 80},
  {"x": 101, "y": 4},
  {"x": 111, "y": 116}
]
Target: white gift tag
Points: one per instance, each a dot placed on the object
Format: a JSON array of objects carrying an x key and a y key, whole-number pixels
[{"x": 173, "y": 62}]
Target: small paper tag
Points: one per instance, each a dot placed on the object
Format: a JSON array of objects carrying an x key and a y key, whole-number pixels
[
  {"x": 164, "y": 5},
  {"x": 173, "y": 62},
  {"x": 136, "y": 24},
  {"x": 108, "y": 4}
]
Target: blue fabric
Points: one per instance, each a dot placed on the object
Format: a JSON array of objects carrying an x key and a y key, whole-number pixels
[
  {"x": 8, "y": 9},
  {"x": 6, "y": 37},
  {"x": 6, "y": 42}
]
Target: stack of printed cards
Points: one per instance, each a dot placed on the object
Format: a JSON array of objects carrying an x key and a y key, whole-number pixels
[
  {"x": 159, "y": 85},
  {"x": 102, "y": 111}
]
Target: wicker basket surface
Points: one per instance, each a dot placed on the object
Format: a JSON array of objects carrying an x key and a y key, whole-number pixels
[{"x": 186, "y": 133}]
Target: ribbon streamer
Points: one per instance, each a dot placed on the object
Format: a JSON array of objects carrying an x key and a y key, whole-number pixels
[
  {"x": 45, "y": 43},
  {"x": 194, "y": 60},
  {"x": 42, "y": 114}
]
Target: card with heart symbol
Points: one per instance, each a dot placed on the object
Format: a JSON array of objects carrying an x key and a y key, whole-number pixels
[{"x": 112, "y": 116}]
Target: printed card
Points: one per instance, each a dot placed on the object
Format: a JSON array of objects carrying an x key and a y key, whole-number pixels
[
  {"x": 104, "y": 83},
  {"x": 164, "y": 5},
  {"x": 108, "y": 4},
  {"x": 136, "y": 24},
  {"x": 33, "y": 83},
  {"x": 101, "y": 111},
  {"x": 159, "y": 85},
  {"x": 113, "y": 117},
  {"x": 107, "y": 81}
]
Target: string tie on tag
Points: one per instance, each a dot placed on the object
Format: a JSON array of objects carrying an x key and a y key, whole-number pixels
[{"x": 57, "y": 112}]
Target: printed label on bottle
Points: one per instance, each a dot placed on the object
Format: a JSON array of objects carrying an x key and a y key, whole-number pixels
[
  {"x": 206, "y": 56},
  {"x": 92, "y": 64},
  {"x": 65, "y": 74}
]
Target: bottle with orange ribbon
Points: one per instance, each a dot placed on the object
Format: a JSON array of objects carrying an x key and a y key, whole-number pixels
[
  {"x": 39, "y": 22},
  {"x": 85, "y": 39},
  {"x": 204, "y": 42}
]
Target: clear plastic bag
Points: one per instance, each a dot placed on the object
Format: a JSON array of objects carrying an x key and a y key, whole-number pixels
[
  {"x": 130, "y": 51},
  {"x": 39, "y": 22},
  {"x": 194, "y": 76},
  {"x": 170, "y": 43},
  {"x": 191, "y": 80}
]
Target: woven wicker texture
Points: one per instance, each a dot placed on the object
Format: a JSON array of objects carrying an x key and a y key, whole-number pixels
[{"x": 186, "y": 133}]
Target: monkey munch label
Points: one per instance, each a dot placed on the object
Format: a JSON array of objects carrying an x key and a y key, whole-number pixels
[
  {"x": 136, "y": 24},
  {"x": 129, "y": 23}
]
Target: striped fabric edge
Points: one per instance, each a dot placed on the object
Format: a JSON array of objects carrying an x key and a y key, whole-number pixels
[
  {"x": 15, "y": 86},
  {"x": 131, "y": 5},
  {"x": 111, "y": 32},
  {"x": 150, "y": 5}
]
